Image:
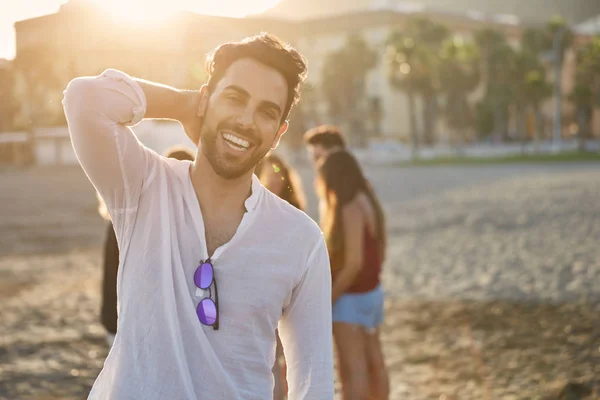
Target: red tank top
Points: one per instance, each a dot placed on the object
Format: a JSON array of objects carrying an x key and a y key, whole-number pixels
[{"x": 368, "y": 277}]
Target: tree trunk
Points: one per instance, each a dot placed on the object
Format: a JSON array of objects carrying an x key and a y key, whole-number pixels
[
  {"x": 414, "y": 134},
  {"x": 429, "y": 119},
  {"x": 505, "y": 122},
  {"x": 434, "y": 119},
  {"x": 461, "y": 124},
  {"x": 539, "y": 128},
  {"x": 521, "y": 116},
  {"x": 582, "y": 121},
  {"x": 558, "y": 61},
  {"x": 498, "y": 125}
]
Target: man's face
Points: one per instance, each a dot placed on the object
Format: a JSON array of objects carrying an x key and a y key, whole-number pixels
[
  {"x": 242, "y": 121},
  {"x": 317, "y": 153}
]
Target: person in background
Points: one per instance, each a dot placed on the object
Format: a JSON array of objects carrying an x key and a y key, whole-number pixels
[
  {"x": 323, "y": 140},
  {"x": 320, "y": 142},
  {"x": 282, "y": 180},
  {"x": 354, "y": 229},
  {"x": 108, "y": 310}
]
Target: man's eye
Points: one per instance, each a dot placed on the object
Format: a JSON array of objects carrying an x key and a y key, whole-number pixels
[{"x": 269, "y": 114}]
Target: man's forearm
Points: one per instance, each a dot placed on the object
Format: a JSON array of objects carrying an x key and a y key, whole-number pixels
[{"x": 166, "y": 102}]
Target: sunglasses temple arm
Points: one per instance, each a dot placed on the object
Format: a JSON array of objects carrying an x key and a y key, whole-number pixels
[{"x": 216, "y": 325}]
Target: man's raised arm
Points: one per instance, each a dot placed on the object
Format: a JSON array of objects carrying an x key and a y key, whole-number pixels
[{"x": 99, "y": 110}]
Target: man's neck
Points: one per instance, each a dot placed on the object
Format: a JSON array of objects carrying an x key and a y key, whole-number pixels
[{"x": 215, "y": 192}]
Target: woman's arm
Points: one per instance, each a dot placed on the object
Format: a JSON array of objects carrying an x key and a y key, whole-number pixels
[{"x": 353, "y": 223}]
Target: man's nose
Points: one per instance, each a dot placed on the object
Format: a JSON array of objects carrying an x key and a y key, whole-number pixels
[{"x": 246, "y": 118}]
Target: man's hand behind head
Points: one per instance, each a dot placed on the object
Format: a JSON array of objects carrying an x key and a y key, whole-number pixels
[{"x": 189, "y": 118}]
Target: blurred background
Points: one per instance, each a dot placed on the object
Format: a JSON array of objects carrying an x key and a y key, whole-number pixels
[{"x": 477, "y": 122}]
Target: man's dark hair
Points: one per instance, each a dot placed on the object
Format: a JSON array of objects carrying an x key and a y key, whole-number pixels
[
  {"x": 267, "y": 49},
  {"x": 327, "y": 136}
]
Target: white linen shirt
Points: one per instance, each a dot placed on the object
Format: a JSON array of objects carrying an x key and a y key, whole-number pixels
[{"x": 274, "y": 270}]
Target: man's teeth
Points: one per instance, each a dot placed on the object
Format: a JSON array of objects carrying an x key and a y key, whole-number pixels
[{"x": 234, "y": 139}]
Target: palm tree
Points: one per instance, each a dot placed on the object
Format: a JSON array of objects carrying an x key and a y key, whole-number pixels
[
  {"x": 375, "y": 114},
  {"x": 302, "y": 116},
  {"x": 343, "y": 86},
  {"x": 559, "y": 39},
  {"x": 459, "y": 76},
  {"x": 430, "y": 36},
  {"x": 586, "y": 92},
  {"x": 497, "y": 69},
  {"x": 552, "y": 43},
  {"x": 582, "y": 95},
  {"x": 403, "y": 74},
  {"x": 333, "y": 88},
  {"x": 413, "y": 67},
  {"x": 527, "y": 72},
  {"x": 534, "y": 41},
  {"x": 535, "y": 86},
  {"x": 536, "y": 89}
]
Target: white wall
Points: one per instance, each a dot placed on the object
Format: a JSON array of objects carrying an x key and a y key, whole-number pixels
[{"x": 53, "y": 146}]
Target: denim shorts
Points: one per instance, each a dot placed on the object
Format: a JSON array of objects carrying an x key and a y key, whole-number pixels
[{"x": 364, "y": 309}]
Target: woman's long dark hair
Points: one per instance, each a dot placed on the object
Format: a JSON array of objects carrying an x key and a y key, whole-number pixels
[
  {"x": 292, "y": 188},
  {"x": 342, "y": 180}
]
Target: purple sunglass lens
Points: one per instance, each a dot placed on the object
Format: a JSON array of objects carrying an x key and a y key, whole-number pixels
[
  {"x": 203, "y": 276},
  {"x": 207, "y": 312}
]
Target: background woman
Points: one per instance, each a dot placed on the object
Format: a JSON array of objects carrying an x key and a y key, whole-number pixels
[
  {"x": 282, "y": 180},
  {"x": 353, "y": 224}
]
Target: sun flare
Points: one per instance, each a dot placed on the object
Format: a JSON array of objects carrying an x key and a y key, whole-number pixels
[{"x": 139, "y": 12}]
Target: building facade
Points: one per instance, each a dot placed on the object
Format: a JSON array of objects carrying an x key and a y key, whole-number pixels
[{"x": 83, "y": 40}]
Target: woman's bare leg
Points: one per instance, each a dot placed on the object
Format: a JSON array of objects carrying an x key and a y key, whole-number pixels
[
  {"x": 352, "y": 360},
  {"x": 379, "y": 384}
]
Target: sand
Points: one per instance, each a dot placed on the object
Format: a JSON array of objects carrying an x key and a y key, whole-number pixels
[{"x": 492, "y": 281}]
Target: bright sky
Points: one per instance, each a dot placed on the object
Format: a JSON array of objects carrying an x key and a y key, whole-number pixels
[{"x": 138, "y": 10}]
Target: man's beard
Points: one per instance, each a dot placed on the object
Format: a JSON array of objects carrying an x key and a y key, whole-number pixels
[{"x": 228, "y": 169}]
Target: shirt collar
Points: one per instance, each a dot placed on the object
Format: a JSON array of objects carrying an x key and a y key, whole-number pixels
[{"x": 252, "y": 201}]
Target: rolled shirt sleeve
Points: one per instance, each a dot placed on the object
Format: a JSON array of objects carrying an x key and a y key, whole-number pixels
[{"x": 99, "y": 111}]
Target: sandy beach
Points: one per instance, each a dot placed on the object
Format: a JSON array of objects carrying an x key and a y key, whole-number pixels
[{"x": 492, "y": 281}]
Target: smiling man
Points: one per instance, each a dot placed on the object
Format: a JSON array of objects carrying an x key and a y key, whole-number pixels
[{"x": 211, "y": 262}]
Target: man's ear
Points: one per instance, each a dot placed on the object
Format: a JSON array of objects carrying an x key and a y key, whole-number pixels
[
  {"x": 282, "y": 129},
  {"x": 203, "y": 101}
]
